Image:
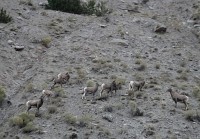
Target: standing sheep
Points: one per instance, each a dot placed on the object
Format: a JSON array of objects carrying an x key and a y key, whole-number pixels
[
  {"x": 62, "y": 78},
  {"x": 35, "y": 103},
  {"x": 109, "y": 87},
  {"x": 176, "y": 97},
  {"x": 47, "y": 93},
  {"x": 138, "y": 85},
  {"x": 92, "y": 90}
]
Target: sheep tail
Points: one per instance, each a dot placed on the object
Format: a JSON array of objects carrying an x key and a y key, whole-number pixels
[{"x": 27, "y": 103}]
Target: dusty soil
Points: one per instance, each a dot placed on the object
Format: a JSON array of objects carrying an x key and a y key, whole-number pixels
[{"x": 121, "y": 45}]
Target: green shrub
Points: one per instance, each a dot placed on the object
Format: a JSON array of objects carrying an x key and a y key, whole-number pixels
[
  {"x": 2, "y": 94},
  {"x": 4, "y": 17},
  {"x": 70, "y": 119},
  {"x": 133, "y": 107},
  {"x": 84, "y": 120},
  {"x": 46, "y": 41},
  {"x": 90, "y": 83},
  {"x": 196, "y": 92},
  {"x": 192, "y": 115},
  {"x": 29, "y": 128},
  {"x": 77, "y": 7},
  {"x": 21, "y": 120}
]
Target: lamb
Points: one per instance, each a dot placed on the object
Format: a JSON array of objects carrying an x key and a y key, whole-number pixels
[
  {"x": 92, "y": 90},
  {"x": 176, "y": 97},
  {"x": 61, "y": 79},
  {"x": 35, "y": 103},
  {"x": 136, "y": 84},
  {"x": 109, "y": 88}
]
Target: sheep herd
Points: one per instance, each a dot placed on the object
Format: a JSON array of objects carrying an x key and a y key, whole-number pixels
[{"x": 63, "y": 78}]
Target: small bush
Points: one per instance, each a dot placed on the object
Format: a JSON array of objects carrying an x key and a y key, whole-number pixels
[
  {"x": 46, "y": 41},
  {"x": 2, "y": 94},
  {"x": 84, "y": 120},
  {"x": 142, "y": 66},
  {"x": 70, "y": 119},
  {"x": 4, "y": 17},
  {"x": 29, "y": 88},
  {"x": 133, "y": 107},
  {"x": 77, "y": 7},
  {"x": 108, "y": 108},
  {"x": 196, "y": 92},
  {"x": 90, "y": 83},
  {"x": 149, "y": 130},
  {"x": 21, "y": 120},
  {"x": 26, "y": 2},
  {"x": 58, "y": 92},
  {"x": 192, "y": 115},
  {"x": 29, "y": 128},
  {"x": 52, "y": 109},
  {"x": 120, "y": 81}
]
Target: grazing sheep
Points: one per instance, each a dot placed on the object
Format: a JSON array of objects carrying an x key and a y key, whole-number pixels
[
  {"x": 136, "y": 84},
  {"x": 109, "y": 87},
  {"x": 178, "y": 98},
  {"x": 47, "y": 93},
  {"x": 92, "y": 90},
  {"x": 62, "y": 78},
  {"x": 35, "y": 103}
]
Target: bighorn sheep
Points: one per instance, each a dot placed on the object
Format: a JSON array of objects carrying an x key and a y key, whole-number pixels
[
  {"x": 109, "y": 87},
  {"x": 61, "y": 79},
  {"x": 92, "y": 90},
  {"x": 35, "y": 103},
  {"x": 176, "y": 97},
  {"x": 136, "y": 84},
  {"x": 47, "y": 93}
]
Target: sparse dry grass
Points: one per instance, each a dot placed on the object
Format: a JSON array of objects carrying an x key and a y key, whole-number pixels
[
  {"x": 2, "y": 94},
  {"x": 29, "y": 88}
]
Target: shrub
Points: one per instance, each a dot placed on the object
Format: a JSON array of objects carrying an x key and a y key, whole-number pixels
[
  {"x": 196, "y": 92},
  {"x": 84, "y": 121},
  {"x": 108, "y": 108},
  {"x": 192, "y": 115},
  {"x": 133, "y": 107},
  {"x": 46, "y": 41},
  {"x": 70, "y": 119},
  {"x": 2, "y": 94},
  {"x": 52, "y": 109},
  {"x": 90, "y": 83},
  {"x": 29, "y": 128},
  {"x": 4, "y": 17},
  {"x": 29, "y": 88},
  {"x": 21, "y": 120},
  {"x": 26, "y": 2},
  {"x": 77, "y": 7}
]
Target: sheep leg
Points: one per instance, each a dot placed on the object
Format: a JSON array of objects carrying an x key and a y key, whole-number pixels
[
  {"x": 53, "y": 85},
  {"x": 186, "y": 106},
  {"x": 176, "y": 104},
  {"x": 83, "y": 96},
  {"x": 101, "y": 92},
  {"x": 28, "y": 110}
]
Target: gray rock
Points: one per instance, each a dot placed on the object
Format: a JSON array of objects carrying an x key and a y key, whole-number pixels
[
  {"x": 10, "y": 42},
  {"x": 108, "y": 117},
  {"x": 18, "y": 47},
  {"x": 120, "y": 42},
  {"x": 160, "y": 28}
]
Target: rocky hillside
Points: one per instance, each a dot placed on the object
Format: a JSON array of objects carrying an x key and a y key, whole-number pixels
[{"x": 152, "y": 40}]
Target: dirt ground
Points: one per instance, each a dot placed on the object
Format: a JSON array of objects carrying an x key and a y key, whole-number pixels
[{"x": 121, "y": 46}]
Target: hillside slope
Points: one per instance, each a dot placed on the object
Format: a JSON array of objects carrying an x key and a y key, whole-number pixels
[{"x": 122, "y": 46}]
